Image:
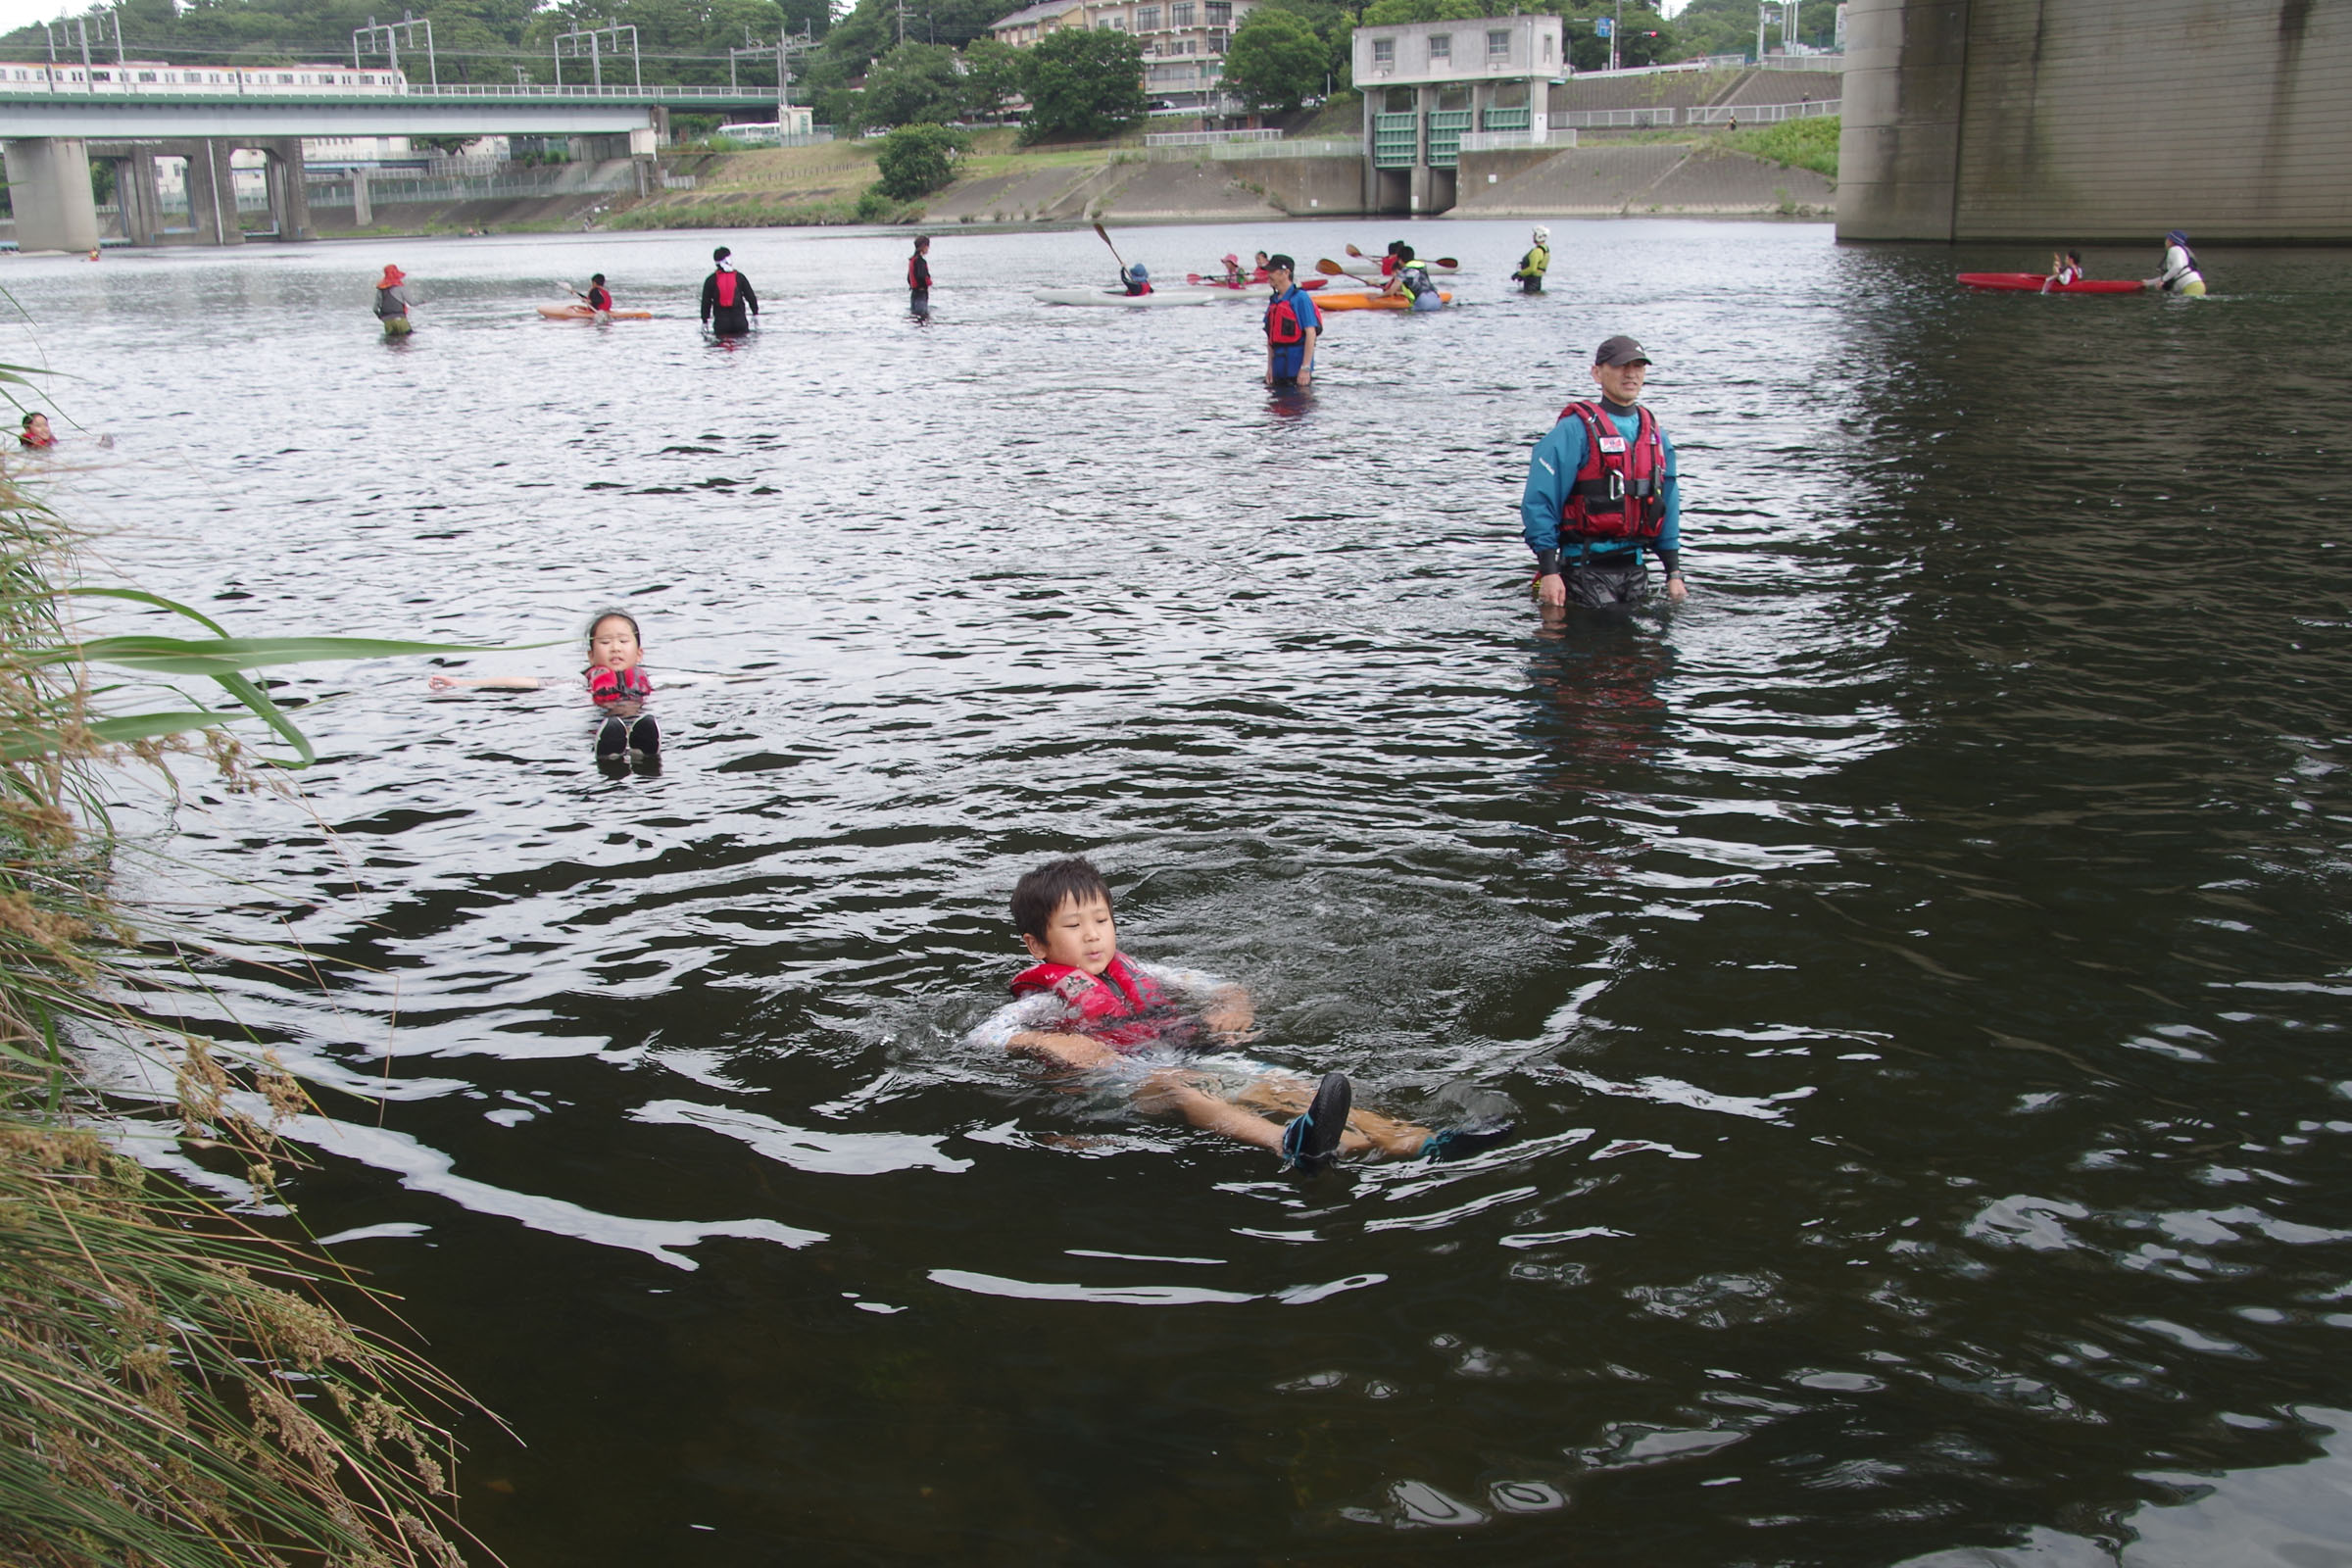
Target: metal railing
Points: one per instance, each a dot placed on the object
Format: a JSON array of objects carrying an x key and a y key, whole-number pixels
[
  {"x": 338, "y": 191},
  {"x": 520, "y": 91},
  {"x": 1820, "y": 62},
  {"x": 1229, "y": 151},
  {"x": 1760, "y": 114},
  {"x": 1208, "y": 138},
  {"x": 1495, "y": 141}
]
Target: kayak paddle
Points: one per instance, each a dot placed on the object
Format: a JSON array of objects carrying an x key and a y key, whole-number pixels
[{"x": 1105, "y": 235}]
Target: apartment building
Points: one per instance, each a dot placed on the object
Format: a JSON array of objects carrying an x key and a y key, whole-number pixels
[{"x": 1184, "y": 42}]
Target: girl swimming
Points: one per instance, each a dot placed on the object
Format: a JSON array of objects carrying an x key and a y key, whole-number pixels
[{"x": 616, "y": 683}]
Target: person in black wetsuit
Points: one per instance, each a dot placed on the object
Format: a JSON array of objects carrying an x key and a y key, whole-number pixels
[
  {"x": 728, "y": 303},
  {"x": 598, "y": 297},
  {"x": 918, "y": 277}
]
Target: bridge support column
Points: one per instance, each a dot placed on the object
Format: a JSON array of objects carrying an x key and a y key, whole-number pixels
[
  {"x": 1898, "y": 146},
  {"x": 135, "y": 199},
  {"x": 213, "y": 194},
  {"x": 289, "y": 189},
  {"x": 49, "y": 185},
  {"x": 362, "y": 211}
]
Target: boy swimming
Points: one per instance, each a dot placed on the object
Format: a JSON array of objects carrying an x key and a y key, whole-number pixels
[{"x": 1084, "y": 1005}]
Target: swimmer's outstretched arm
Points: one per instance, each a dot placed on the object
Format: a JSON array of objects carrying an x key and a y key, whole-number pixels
[
  {"x": 1062, "y": 1050},
  {"x": 505, "y": 683}
]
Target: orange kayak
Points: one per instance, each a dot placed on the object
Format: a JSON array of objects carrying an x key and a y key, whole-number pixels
[
  {"x": 581, "y": 313},
  {"x": 1328, "y": 301}
]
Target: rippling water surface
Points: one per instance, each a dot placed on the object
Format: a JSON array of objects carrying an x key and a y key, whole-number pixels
[{"x": 1916, "y": 966}]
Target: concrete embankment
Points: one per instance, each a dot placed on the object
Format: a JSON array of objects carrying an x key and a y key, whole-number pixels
[{"x": 1635, "y": 180}]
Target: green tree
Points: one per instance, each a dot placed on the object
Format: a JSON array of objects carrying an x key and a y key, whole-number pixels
[
  {"x": 917, "y": 160},
  {"x": 992, "y": 75},
  {"x": 915, "y": 84},
  {"x": 1387, "y": 13},
  {"x": 1083, "y": 86},
  {"x": 1275, "y": 60},
  {"x": 1647, "y": 40}
]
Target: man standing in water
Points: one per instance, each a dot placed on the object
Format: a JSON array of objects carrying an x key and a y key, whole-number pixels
[
  {"x": 918, "y": 277},
  {"x": 392, "y": 301},
  {"x": 1601, "y": 488},
  {"x": 1293, "y": 324},
  {"x": 1535, "y": 264},
  {"x": 728, "y": 303}
]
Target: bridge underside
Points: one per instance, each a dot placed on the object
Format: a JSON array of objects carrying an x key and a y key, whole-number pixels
[
  {"x": 51, "y": 141},
  {"x": 2096, "y": 120}
]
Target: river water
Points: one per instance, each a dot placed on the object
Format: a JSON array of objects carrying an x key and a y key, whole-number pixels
[{"x": 1916, "y": 966}]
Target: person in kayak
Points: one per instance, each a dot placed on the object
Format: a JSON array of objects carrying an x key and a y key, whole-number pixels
[
  {"x": 36, "y": 432},
  {"x": 1085, "y": 1006},
  {"x": 1259, "y": 275},
  {"x": 1602, "y": 487},
  {"x": 729, "y": 302},
  {"x": 1411, "y": 281},
  {"x": 392, "y": 301},
  {"x": 918, "y": 277},
  {"x": 2066, "y": 267},
  {"x": 1137, "y": 279},
  {"x": 2180, "y": 275},
  {"x": 1535, "y": 264},
  {"x": 617, "y": 684},
  {"x": 1293, "y": 324},
  {"x": 598, "y": 297}
]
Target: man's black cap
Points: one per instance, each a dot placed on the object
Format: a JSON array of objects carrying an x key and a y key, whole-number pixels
[
  {"x": 1621, "y": 349},
  {"x": 722, "y": 254},
  {"x": 1283, "y": 262}
]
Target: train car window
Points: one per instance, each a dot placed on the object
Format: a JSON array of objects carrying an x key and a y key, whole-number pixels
[{"x": 146, "y": 75}]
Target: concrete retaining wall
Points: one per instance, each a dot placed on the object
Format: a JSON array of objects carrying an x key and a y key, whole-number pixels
[{"x": 2097, "y": 121}]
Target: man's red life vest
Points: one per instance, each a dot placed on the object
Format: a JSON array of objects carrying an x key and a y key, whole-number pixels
[
  {"x": 618, "y": 685},
  {"x": 726, "y": 289},
  {"x": 1123, "y": 1007},
  {"x": 918, "y": 271},
  {"x": 1283, "y": 326},
  {"x": 598, "y": 297},
  {"x": 1620, "y": 491}
]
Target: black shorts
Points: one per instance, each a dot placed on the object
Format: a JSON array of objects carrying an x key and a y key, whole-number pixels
[{"x": 1607, "y": 585}]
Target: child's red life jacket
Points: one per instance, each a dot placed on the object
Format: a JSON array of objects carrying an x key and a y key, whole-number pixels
[
  {"x": 1620, "y": 492},
  {"x": 598, "y": 297},
  {"x": 618, "y": 685},
  {"x": 1121, "y": 992},
  {"x": 1283, "y": 326},
  {"x": 726, "y": 289}
]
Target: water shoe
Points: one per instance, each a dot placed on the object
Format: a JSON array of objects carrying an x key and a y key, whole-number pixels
[
  {"x": 612, "y": 738},
  {"x": 645, "y": 736},
  {"x": 1460, "y": 1143},
  {"x": 1308, "y": 1142}
]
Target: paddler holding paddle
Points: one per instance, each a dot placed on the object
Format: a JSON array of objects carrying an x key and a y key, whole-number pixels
[
  {"x": 598, "y": 297},
  {"x": 1600, "y": 489}
]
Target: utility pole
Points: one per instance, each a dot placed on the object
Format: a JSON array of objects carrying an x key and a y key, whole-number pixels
[
  {"x": 1616, "y": 31},
  {"x": 781, "y": 52},
  {"x": 596, "y": 61},
  {"x": 364, "y": 40}
]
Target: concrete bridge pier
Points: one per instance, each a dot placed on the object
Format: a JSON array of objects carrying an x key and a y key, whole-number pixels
[
  {"x": 289, "y": 187},
  {"x": 49, "y": 185}
]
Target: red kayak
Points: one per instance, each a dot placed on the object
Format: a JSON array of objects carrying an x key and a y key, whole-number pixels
[{"x": 2036, "y": 284}]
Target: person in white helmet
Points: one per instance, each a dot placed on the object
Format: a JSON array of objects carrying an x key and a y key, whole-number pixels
[{"x": 1532, "y": 266}]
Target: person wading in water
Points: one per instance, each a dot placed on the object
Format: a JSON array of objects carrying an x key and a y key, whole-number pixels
[{"x": 728, "y": 303}]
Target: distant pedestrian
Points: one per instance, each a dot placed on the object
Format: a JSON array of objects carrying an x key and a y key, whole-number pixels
[
  {"x": 1602, "y": 487},
  {"x": 392, "y": 301},
  {"x": 918, "y": 277},
  {"x": 729, "y": 302}
]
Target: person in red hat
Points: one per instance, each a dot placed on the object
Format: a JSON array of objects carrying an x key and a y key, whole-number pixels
[{"x": 392, "y": 301}]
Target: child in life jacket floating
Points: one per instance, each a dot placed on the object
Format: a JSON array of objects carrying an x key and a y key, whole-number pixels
[
  {"x": 617, "y": 684},
  {"x": 1084, "y": 1005}
]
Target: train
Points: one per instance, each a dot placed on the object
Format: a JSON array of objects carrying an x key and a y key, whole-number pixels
[{"x": 163, "y": 76}]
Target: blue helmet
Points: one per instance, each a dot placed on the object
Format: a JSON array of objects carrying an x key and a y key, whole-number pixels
[
  {"x": 2177, "y": 236},
  {"x": 1138, "y": 274}
]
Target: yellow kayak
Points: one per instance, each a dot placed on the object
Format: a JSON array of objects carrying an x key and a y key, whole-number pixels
[
  {"x": 581, "y": 313},
  {"x": 1328, "y": 301}
]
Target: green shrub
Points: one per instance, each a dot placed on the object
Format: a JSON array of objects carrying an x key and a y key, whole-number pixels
[
  {"x": 917, "y": 160},
  {"x": 1793, "y": 143}
]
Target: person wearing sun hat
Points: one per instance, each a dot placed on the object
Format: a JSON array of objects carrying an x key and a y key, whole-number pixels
[
  {"x": 1601, "y": 488},
  {"x": 2180, "y": 275},
  {"x": 392, "y": 301}
]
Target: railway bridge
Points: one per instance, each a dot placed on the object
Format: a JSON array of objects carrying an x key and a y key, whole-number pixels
[{"x": 50, "y": 137}]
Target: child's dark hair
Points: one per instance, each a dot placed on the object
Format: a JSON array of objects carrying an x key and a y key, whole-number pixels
[
  {"x": 2075, "y": 257},
  {"x": 1048, "y": 888},
  {"x": 604, "y": 615}
]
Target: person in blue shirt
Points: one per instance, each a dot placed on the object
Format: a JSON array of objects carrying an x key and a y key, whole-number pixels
[
  {"x": 1293, "y": 324},
  {"x": 1602, "y": 487}
]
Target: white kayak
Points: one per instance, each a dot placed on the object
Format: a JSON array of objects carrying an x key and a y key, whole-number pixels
[{"x": 1098, "y": 296}]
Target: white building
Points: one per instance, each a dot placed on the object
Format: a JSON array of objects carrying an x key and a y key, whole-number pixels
[
  {"x": 1183, "y": 40},
  {"x": 1426, "y": 84}
]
